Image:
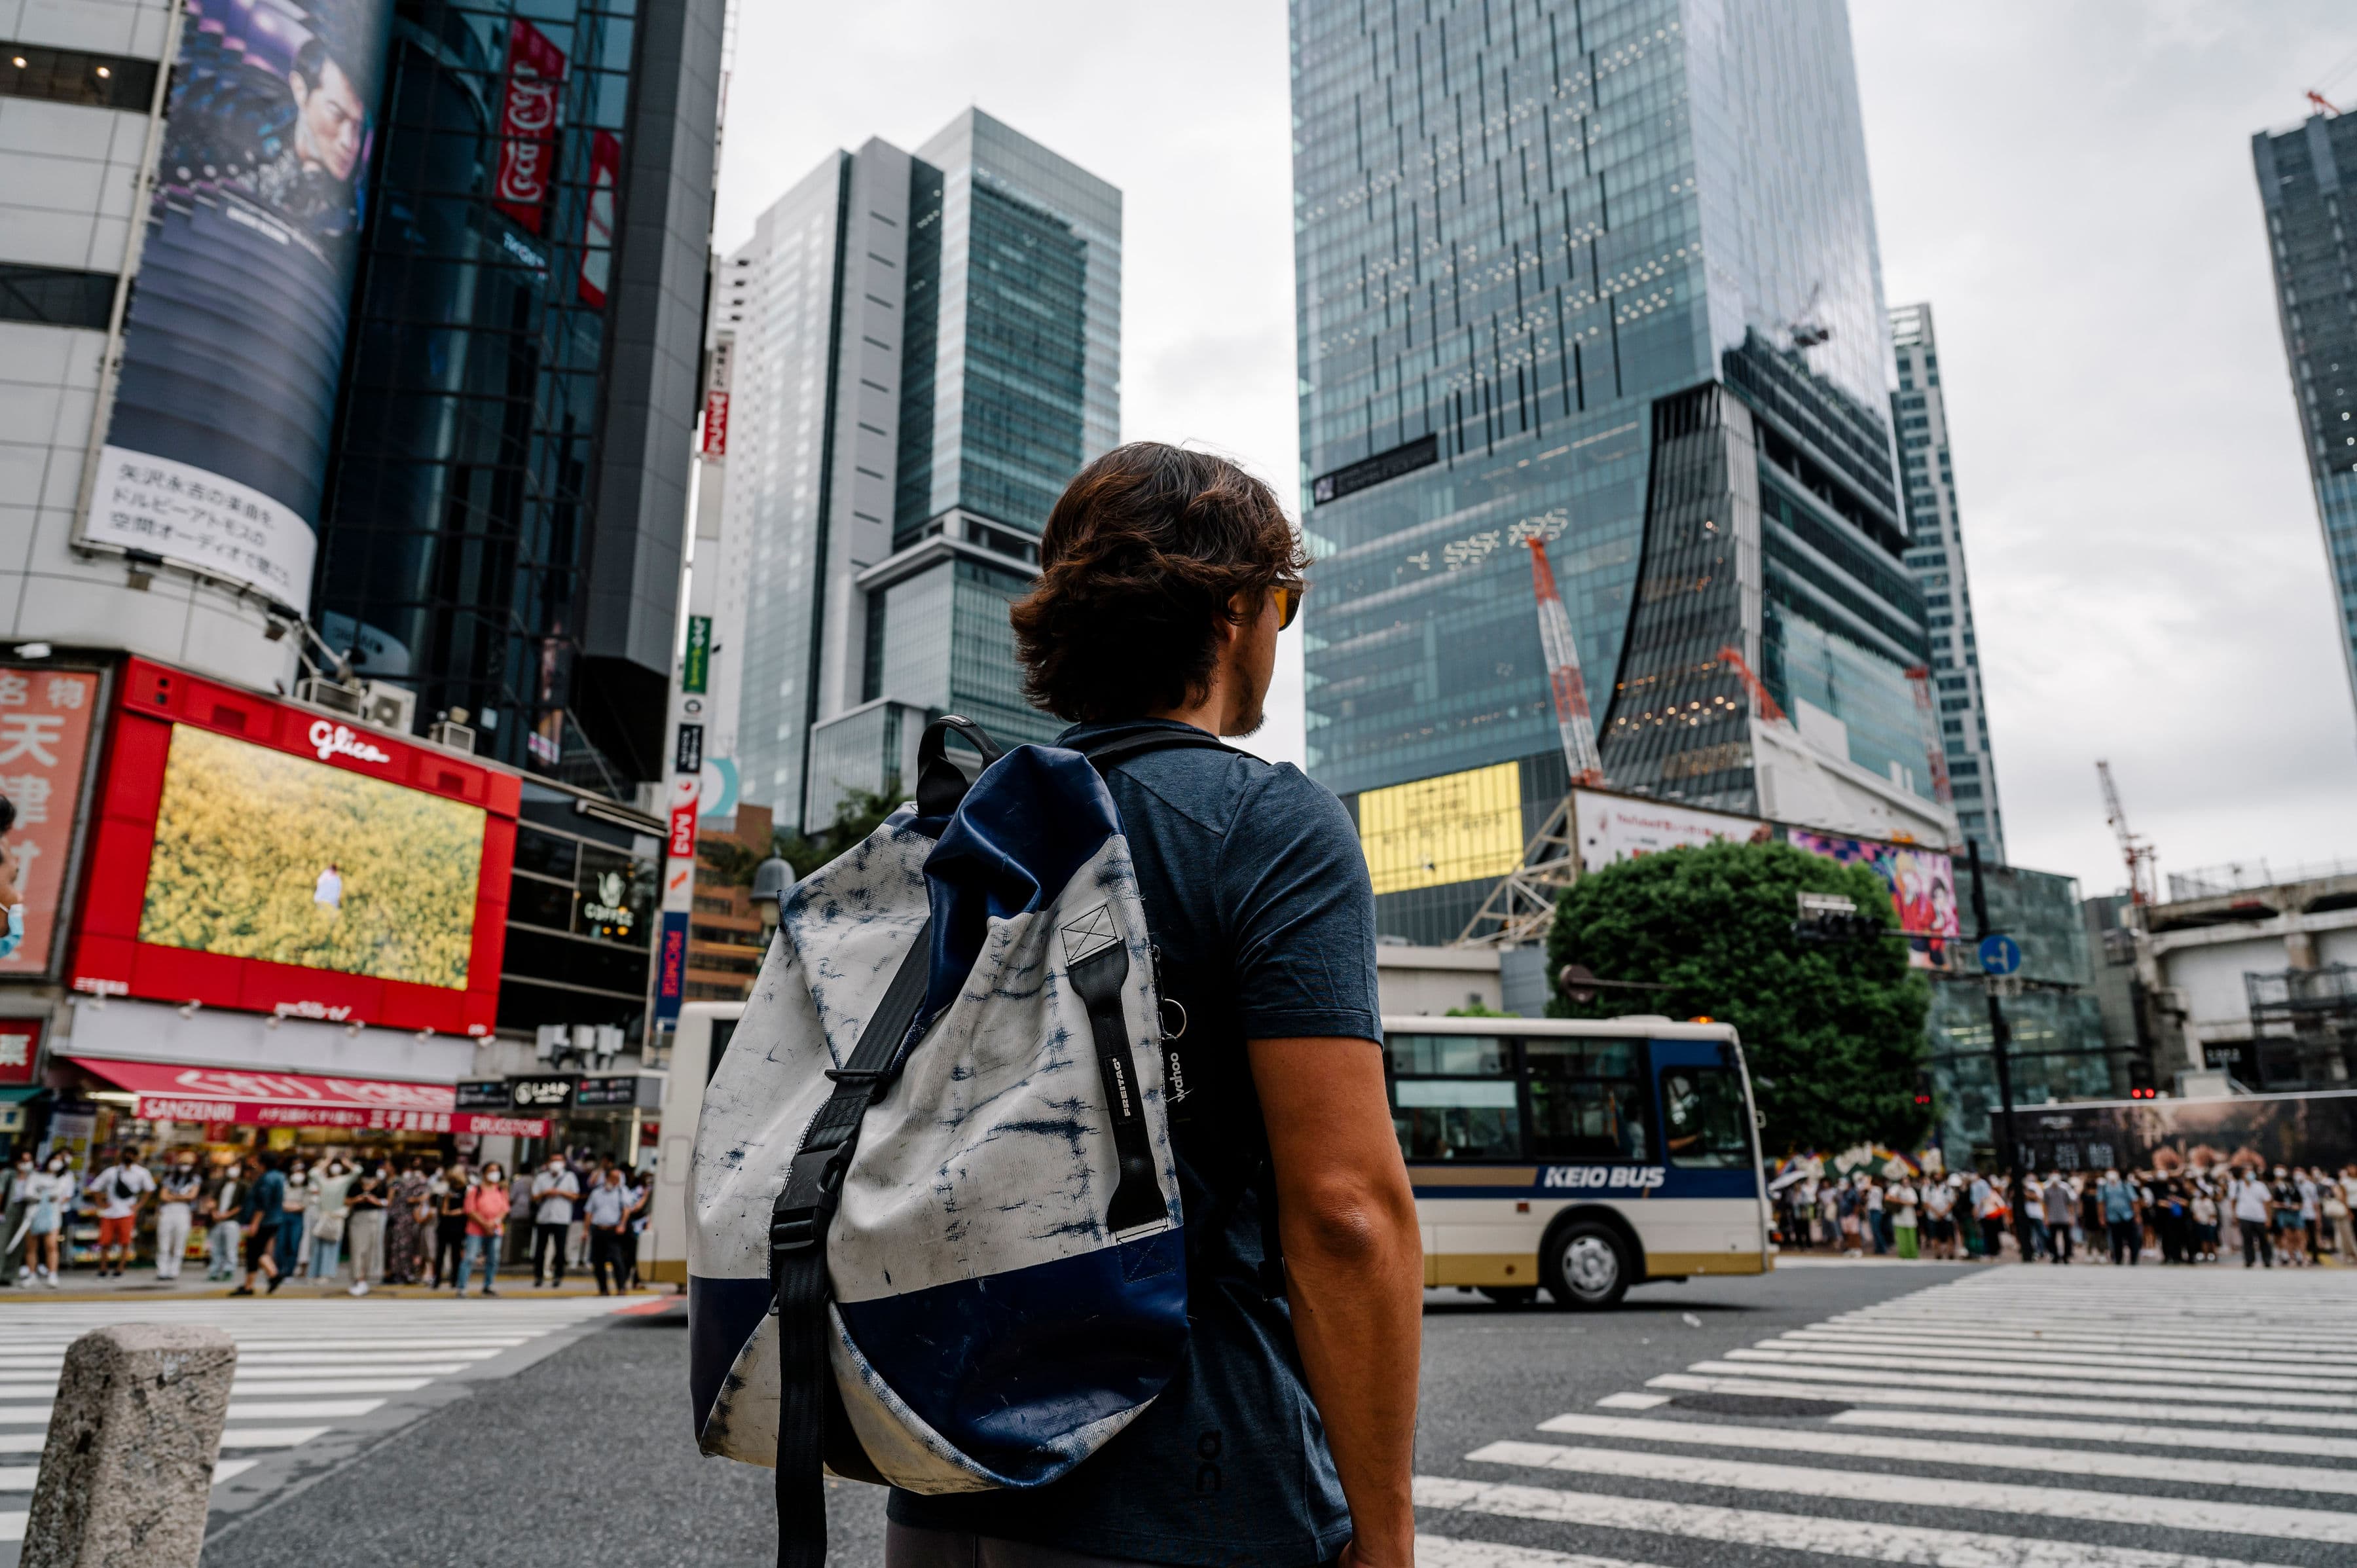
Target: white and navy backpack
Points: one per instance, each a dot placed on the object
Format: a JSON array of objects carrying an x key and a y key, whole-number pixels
[{"x": 937, "y": 1235}]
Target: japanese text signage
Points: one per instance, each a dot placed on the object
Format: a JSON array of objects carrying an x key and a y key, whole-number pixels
[
  {"x": 549, "y": 1092},
  {"x": 47, "y": 721},
  {"x": 528, "y": 115},
  {"x": 697, "y": 669},
  {"x": 20, "y": 1048}
]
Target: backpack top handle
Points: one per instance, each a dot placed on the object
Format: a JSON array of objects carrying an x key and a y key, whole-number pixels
[{"x": 940, "y": 783}]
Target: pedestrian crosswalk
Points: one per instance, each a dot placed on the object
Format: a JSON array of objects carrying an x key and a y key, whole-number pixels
[
  {"x": 303, "y": 1367},
  {"x": 2016, "y": 1419}
]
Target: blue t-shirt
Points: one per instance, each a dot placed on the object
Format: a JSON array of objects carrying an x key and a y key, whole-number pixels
[{"x": 1258, "y": 897}]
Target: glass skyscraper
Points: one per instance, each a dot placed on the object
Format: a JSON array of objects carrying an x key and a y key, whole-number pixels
[
  {"x": 1600, "y": 273},
  {"x": 2300, "y": 192},
  {"x": 1936, "y": 555},
  {"x": 506, "y": 505},
  {"x": 928, "y": 347}
]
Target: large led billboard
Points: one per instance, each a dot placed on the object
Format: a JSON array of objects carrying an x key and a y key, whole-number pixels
[
  {"x": 1922, "y": 884},
  {"x": 216, "y": 448},
  {"x": 1456, "y": 828},
  {"x": 261, "y": 853},
  {"x": 253, "y": 853}
]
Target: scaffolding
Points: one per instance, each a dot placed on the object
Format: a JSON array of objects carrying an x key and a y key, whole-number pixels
[{"x": 2303, "y": 1027}]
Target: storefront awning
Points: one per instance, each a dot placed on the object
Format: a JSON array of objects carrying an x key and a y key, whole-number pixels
[{"x": 172, "y": 1091}]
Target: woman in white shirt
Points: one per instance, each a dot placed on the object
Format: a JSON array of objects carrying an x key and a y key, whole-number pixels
[{"x": 324, "y": 1219}]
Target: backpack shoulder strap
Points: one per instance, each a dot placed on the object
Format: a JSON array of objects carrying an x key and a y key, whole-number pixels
[{"x": 1114, "y": 751}]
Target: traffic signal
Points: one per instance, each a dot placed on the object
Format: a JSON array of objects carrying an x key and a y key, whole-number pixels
[
  {"x": 2140, "y": 1084},
  {"x": 1922, "y": 1089}
]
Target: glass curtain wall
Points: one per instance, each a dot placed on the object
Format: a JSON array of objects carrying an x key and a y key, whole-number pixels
[{"x": 458, "y": 517}]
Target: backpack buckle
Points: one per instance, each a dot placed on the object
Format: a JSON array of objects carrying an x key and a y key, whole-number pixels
[{"x": 807, "y": 1198}]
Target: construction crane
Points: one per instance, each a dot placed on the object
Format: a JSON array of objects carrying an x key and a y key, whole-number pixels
[
  {"x": 2322, "y": 102},
  {"x": 1571, "y": 719},
  {"x": 1806, "y": 328},
  {"x": 2143, "y": 887},
  {"x": 1753, "y": 685},
  {"x": 1919, "y": 677},
  {"x": 1520, "y": 908}
]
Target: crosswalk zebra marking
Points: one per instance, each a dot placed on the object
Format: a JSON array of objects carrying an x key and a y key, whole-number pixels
[
  {"x": 294, "y": 1358},
  {"x": 2142, "y": 1434},
  {"x": 2030, "y": 1365},
  {"x": 2126, "y": 1425},
  {"x": 1769, "y": 1387},
  {"x": 1883, "y": 1489},
  {"x": 1915, "y": 1545},
  {"x": 2097, "y": 1387},
  {"x": 1970, "y": 1456}
]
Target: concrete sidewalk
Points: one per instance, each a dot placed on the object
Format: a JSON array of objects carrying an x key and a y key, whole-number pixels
[{"x": 141, "y": 1284}]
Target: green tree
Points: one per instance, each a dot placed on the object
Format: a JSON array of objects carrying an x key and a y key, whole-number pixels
[{"x": 1834, "y": 1032}]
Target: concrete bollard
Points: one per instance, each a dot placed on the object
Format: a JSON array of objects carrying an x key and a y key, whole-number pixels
[{"x": 127, "y": 1472}]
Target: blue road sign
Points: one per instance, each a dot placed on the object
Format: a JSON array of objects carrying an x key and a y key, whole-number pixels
[{"x": 2000, "y": 955}]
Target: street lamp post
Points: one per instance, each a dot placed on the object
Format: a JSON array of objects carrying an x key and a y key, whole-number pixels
[
  {"x": 772, "y": 880},
  {"x": 2000, "y": 1036}
]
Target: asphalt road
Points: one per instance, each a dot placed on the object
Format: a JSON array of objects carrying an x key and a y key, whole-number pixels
[{"x": 584, "y": 1456}]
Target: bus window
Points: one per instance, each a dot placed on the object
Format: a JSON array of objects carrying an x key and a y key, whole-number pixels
[
  {"x": 1448, "y": 1056},
  {"x": 1706, "y": 1126},
  {"x": 1453, "y": 1098},
  {"x": 1586, "y": 1102},
  {"x": 1457, "y": 1119}
]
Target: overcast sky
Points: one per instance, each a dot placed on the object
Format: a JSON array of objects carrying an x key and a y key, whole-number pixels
[{"x": 2070, "y": 185}]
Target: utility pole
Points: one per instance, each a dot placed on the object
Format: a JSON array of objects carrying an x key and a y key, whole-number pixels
[{"x": 2000, "y": 1038}]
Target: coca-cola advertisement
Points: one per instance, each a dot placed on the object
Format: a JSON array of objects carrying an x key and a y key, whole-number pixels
[{"x": 528, "y": 115}]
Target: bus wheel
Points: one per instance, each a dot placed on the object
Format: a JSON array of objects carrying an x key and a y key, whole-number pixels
[
  {"x": 1511, "y": 1296},
  {"x": 1586, "y": 1266}
]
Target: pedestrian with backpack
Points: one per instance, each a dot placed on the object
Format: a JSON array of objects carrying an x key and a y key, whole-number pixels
[
  {"x": 1188, "y": 1070},
  {"x": 121, "y": 1189}
]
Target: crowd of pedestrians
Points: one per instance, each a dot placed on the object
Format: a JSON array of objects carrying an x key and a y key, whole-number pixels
[
  {"x": 267, "y": 1219},
  {"x": 2291, "y": 1215}
]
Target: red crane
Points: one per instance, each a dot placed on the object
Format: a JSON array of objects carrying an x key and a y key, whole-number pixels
[
  {"x": 1751, "y": 683},
  {"x": 2142, "y": 881},
  {"x": 1571, "y": 719}
]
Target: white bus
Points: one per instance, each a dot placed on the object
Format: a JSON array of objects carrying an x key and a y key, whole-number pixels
[{"x": 1581, "y": 1157}]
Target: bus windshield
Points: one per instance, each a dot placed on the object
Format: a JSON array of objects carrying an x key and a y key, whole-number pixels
[{"x": 1708, "y": 1126}]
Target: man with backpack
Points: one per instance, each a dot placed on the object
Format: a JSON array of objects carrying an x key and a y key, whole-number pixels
[{"x": 1285, "y": 1437}]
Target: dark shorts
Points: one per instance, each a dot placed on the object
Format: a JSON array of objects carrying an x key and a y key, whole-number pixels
[{"x": 259, "y": 1242}]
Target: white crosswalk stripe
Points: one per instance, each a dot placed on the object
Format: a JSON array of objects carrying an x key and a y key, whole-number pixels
[
  {"x": 299, "y": 1364},
  {"x": 2093, "y": 1418}
]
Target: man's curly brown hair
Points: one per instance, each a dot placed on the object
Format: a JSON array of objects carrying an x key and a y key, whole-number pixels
[{"x": 1142, "y": 556}]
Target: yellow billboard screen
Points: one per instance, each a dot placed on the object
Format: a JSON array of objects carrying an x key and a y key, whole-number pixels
[{"x": 1456, "y": 828}]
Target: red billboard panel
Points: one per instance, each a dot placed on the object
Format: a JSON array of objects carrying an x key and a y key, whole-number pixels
[
  {"x": 20, "y": 1048},
  {"x": 252, "y": 853},
  {"x": 598, "y": 222},
  {"x": 528, "y": 115},
  {"x": 715, "y": 423},
  {"x": 48, "y": 721}
]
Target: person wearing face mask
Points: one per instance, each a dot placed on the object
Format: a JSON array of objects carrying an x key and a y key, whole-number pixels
[
  {"x": 53, "y": 1192},
  {"x": 13, "y": 1270},
  {"x": 175, "y": 1208},
  {"x": 552, "y": 1192}
]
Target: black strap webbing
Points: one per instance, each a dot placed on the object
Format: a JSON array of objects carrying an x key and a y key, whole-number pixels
[{"x": 798, "y": 1226}]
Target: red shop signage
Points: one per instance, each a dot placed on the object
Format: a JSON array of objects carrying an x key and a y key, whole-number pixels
[{"x": 528, "y": 113}]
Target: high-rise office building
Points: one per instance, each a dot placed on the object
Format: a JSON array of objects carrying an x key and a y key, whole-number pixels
[
  {"x": 927, "y": 347},
  {"x": 505, "y": 511},
  {"x": 1604, "y": 274},
  {"x": 1935, "y": 554},
  {"x": 2301, "y": 195}
]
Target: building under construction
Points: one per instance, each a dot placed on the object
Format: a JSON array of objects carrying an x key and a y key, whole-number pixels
[{"x": 1637, "y": 318}]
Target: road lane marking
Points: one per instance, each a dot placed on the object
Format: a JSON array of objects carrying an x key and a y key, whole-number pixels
[
  {"x": 1913, "y": 1544},
  {"x": 2033, "y": 1366},
  {"x": 2102, "y": 1432},
  {"x": 1968, "y": 1456},
  {"x": 2093, "y": 1390},
  {"x": 1632, "y": 1401},
  {"x": 1983, "y": 1338},
  {"x": 1454, "y": 1551},
  {"x": 1886, "y": 1490},
  {"x": 2028, "y": 1404}
]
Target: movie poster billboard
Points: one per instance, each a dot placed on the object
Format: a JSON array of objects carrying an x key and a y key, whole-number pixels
[
  {"x": 216, "y": 446},
  {"x": 1622, "y": 827},
  {"x": 49, "y": 726},
  {"x": 2175, "y": 1135},
  {"x": 1922, "y": 884}
]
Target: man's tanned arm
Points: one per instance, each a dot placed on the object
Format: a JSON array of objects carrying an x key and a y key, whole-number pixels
[{"x": 1355, "y": 1272}]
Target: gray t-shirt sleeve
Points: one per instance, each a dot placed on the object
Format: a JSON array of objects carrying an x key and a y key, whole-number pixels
[{"x": 1294, "y": 884}]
